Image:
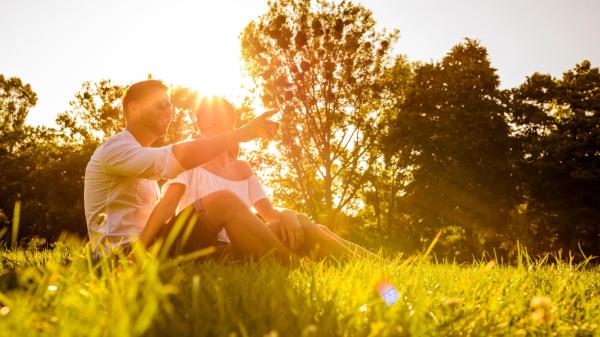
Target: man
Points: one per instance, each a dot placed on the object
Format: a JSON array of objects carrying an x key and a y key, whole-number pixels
[{"x": 120, "y": 179}]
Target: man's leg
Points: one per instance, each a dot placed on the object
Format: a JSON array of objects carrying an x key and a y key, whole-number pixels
[
  {"x": 248, "y": 234},
  {"x": 192, "y": 234}
]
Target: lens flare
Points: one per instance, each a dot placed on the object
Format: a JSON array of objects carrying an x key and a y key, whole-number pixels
[{"x": 387, "y": 291}]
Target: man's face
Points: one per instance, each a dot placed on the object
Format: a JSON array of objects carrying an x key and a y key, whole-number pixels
[{"x": 155, "y": 111}]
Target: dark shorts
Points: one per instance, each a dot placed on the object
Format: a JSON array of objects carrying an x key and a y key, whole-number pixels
[{"x": 191, "y": 231}]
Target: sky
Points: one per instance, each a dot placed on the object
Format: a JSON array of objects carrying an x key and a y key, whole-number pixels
[{"x": 56, "y": 45}]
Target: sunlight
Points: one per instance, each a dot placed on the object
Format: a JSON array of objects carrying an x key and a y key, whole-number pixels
[
  {"x": 205, "y": 53},
  {"x": 407, "y": 192}
]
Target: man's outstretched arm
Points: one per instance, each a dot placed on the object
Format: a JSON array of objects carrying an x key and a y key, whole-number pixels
[
  {"x": 168, "y": 161},
  {"x": 196, "y": 152}
]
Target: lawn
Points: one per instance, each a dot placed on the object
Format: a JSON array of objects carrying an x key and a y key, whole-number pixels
[{"x": 62, "y": 292}]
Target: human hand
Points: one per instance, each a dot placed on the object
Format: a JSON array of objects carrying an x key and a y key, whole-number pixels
[
  {"x": 291, "y": 230},
  {"x": 259, "y": 127}
]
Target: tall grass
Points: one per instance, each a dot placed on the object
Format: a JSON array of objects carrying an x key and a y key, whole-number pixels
[
  {"x": 15, "y": 224},
  {"x": 64, "y": 292}
]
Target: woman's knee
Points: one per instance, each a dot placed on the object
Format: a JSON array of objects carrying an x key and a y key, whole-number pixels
[
  {"x": 317, "y": 231},
  {"x": 223, "y": 199},
  {"x": 223, "y": 206},
  {"x": 310, "y": 228},
  {"x": 304, "y": 219}
]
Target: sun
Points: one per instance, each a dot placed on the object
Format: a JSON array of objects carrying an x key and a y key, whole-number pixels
[{"x": 202, "y": 50}]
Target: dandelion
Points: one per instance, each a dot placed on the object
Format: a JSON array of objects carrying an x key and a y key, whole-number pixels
[
  {"x": 540, "y": 302},
  {"x": 4, "y": 311},
  {"x": 542, "y": 308}
]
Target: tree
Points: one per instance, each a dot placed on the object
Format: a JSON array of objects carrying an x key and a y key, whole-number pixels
[
  {"x": 382, "y": 213},
  {"x": 453, "y": 141},
  {"x": 558, "y": 123},
  {"x": 321, "y": 63},
  {"x": 95, "y": 112},
  {"x": 16, "y": 99},
  {"x": 36, "y": 166}
]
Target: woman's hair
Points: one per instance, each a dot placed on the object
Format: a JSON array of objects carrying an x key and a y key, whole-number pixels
[
  {"x": 215, "y": 104},
  {"x": 221, "y": 105}
]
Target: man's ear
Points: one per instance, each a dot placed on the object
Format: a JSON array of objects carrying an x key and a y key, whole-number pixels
[{"x": 132, "y": 111}]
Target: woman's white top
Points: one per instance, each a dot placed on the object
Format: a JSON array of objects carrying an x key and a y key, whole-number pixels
[{"x": 200, "y": 182}]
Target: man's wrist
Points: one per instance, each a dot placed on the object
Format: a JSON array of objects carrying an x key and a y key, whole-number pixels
[
  {"x": 233, "y": 137},
  {"x": 241, "y": 135}
]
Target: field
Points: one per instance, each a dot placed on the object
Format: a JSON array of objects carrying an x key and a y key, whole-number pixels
[{"x": 62, "y": 292}]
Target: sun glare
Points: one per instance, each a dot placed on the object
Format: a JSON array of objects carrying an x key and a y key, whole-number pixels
[{"x": 205, "y": 54}]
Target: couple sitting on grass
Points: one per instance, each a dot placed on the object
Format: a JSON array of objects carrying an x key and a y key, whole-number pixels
[{"x": 207, "y": 189}]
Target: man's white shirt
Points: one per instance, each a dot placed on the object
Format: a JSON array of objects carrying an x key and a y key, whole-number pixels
[{"x": 121, "y": 190}]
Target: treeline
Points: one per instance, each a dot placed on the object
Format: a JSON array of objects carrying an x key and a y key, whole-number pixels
[{"x": 386, "y": 151}]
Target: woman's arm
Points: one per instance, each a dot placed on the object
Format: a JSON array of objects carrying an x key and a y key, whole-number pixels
[
  {"x": 291, "y": 228},
  {"x": 162, "y": 213},
  {"x": 267, "y": 211}
]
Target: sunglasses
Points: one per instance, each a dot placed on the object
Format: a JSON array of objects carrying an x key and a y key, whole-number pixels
[{"x": 163, "y": 105}]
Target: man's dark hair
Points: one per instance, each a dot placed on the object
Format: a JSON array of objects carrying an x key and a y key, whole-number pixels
[{"x": 140, "y": 90}]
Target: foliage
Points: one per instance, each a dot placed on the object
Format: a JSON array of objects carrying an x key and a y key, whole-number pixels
[
  {"x": 558, "y": 122},
  {"x": 321, "y": 63},
  {"x": 451, "y": 136}
]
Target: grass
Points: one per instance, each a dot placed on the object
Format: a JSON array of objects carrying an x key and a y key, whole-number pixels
[{"x": 61, "y": 292}]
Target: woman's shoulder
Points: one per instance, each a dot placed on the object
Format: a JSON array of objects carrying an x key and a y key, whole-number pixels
[{"x": 243, "y": 168}]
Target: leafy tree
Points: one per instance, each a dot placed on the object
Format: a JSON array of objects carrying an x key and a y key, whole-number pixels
[
  {"x": 382, "y": 214},
  {"x": 49, "y": 175},
  {"x": 95, "y": 112},
  {"x": 558, "y": 123},
  {"x": 321, "y": 63},
  {"x": 453, "y": 141},
  {"x": 16, "y": 99},
  {"x": 36, "y": 167}
]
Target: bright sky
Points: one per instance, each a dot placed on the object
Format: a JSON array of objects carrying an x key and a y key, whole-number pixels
[{"x": 56, "y": 45}]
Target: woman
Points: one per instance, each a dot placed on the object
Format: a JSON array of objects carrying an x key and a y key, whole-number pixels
[{"x": 225, "y": 172}]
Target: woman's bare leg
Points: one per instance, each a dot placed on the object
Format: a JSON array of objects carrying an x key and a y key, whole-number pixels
[
  {"x": 317, "y": 243},
  {"x": 248, "y": 234},
  {"x": 351, "y": 248}
]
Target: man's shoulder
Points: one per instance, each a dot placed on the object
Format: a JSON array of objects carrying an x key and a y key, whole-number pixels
[
  {"x": 118, "y": 141},
  {"x": 120, "y": 138},
  {"x": 112, "y": 144}
]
